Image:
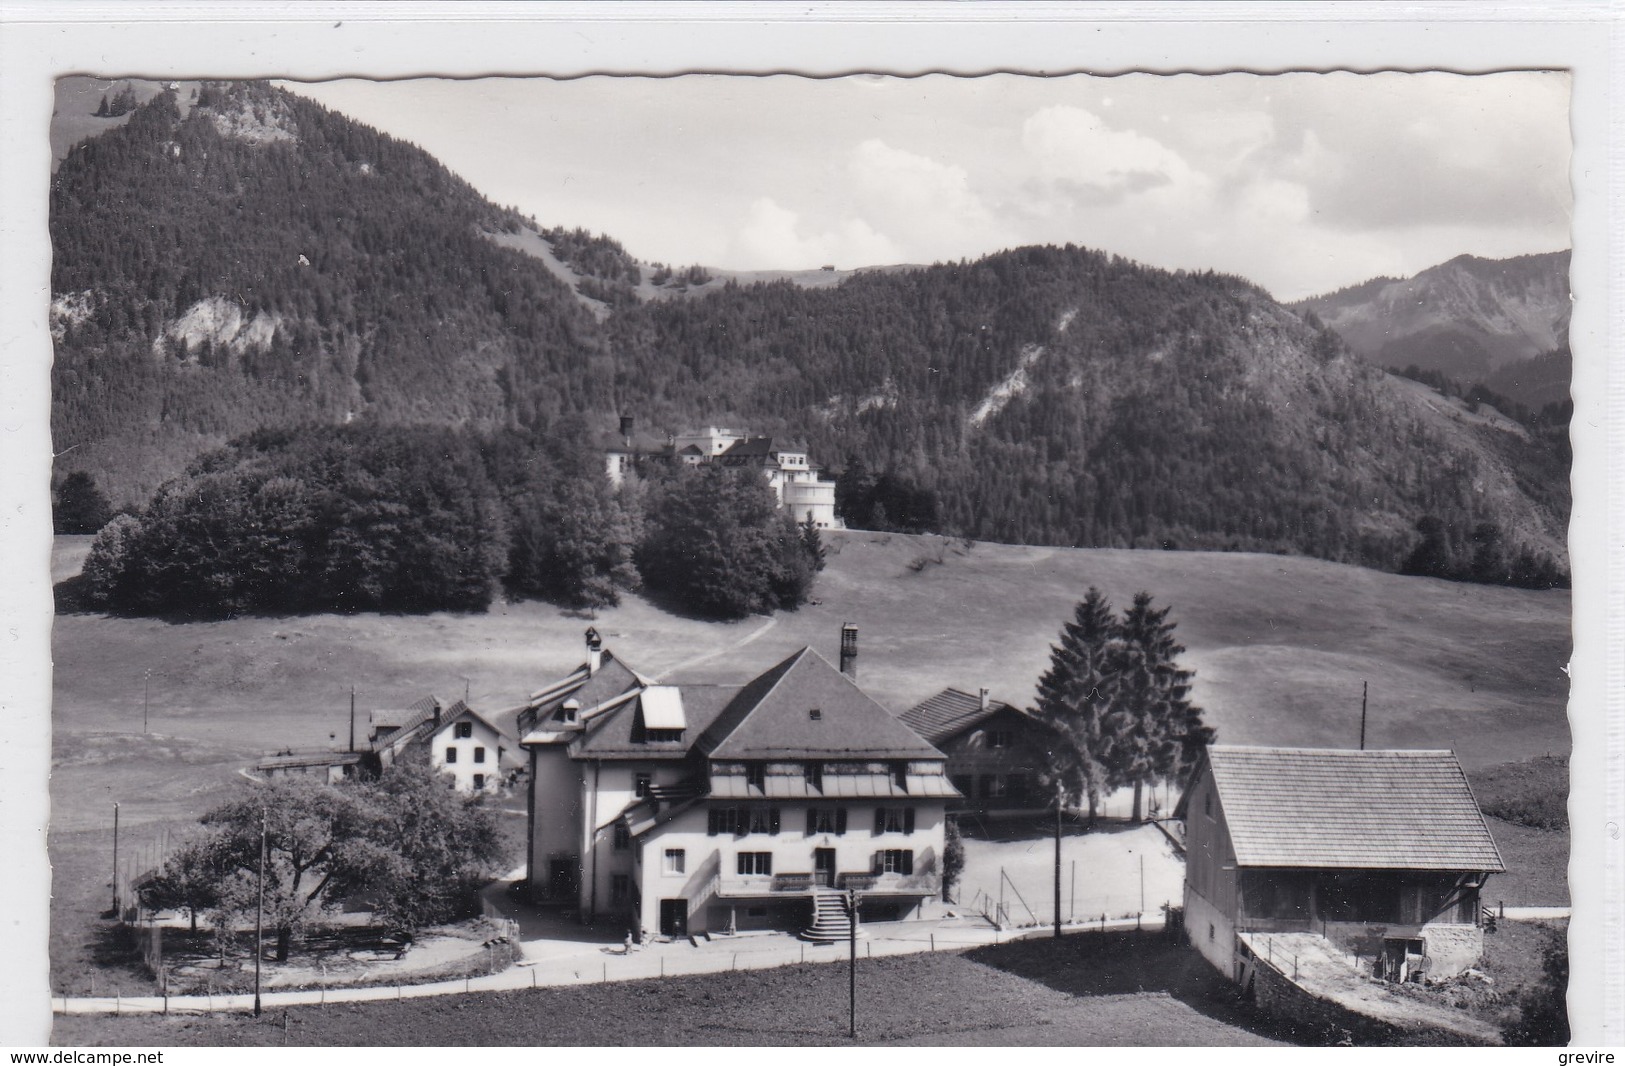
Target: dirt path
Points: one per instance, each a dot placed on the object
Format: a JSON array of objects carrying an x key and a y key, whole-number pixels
[{"x": 725, "y": 649}]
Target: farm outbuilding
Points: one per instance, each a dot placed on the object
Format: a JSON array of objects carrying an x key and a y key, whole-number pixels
[
  {"x": 1382, "y": 853},
  {"x": 994, "y": 750}
]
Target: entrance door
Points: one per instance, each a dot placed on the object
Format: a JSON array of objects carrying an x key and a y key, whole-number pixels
[
  {"x": 824, "y": 867},
  {"x": 674, "y": 917},
  {"x": 562, "y": 880}
]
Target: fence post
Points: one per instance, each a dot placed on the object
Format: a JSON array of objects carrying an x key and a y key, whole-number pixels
[
  {"x": 606, "y": 973},
  {"x": 933, "y": 944}
]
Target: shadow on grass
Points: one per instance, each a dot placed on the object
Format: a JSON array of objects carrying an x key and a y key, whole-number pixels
[
  {"x": 1119, "y": 964},
  {"x": 1039, "y": 825}
]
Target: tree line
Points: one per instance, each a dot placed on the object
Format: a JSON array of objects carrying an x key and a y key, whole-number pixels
[
  {"x": 1119, "y": 702},
  {"x": 390, "y": 518},
  {"x": 1162, "y": 410}
]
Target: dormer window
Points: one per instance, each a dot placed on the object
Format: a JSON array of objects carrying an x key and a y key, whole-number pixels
[
  {"x": 899, "y": 776},
  {"x": 756, "y": 775},
  {"x": 569, "y": 710},
  {"x": 813, "y": 772}
]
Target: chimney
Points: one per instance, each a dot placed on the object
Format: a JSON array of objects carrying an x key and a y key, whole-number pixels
[
  {"x": 849, "y": 650},
  {"x": 984, "y": 699},
  {"x": 595, "y": 651}
]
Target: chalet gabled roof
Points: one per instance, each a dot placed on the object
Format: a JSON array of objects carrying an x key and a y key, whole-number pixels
[
  {"x": 771, "y": 718},
  {"x": 612, "y": 678},
  {"x": 749, "y": 448},
  {"x": 611, "y": 737},
  {"x": 1347, "y": 809},
  {"x": 460, "y": 710},
  {"x": 951, "y": 712}
]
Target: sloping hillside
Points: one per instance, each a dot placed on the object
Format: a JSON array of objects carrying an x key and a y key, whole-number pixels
[
  {"x": 246, "y": 257},
  {"x": 1467, "y": 318}
]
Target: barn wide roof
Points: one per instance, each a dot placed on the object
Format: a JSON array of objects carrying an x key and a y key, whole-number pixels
[{"x": 1346, "y": 809}]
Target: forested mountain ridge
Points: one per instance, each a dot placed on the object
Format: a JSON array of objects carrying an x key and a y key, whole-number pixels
[
  {"x": 1469, "y": 318},
  {"x": 263, "y": 261}
]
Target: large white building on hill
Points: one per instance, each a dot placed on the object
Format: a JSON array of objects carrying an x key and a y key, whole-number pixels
[{"x": 797, "y": 483}]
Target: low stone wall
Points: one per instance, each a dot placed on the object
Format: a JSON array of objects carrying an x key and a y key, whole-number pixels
[{"x": 1451, "y": 946}]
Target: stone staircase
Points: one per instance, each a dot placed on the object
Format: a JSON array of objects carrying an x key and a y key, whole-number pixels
[{"x": 830, "y": 924}]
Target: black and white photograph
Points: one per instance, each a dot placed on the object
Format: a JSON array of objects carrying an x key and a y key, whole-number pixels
[{"x": 601, "y": 554}]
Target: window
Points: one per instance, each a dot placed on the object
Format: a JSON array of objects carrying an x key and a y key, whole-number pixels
[
  {"x": 894, "y": 861},
  {"x": 620, "y": 889},
  {"x": 623, "y": 836},
  {"x": 752, "y": 863},
  {"x": 479, "y": 754},
  {"x": 814, "y": 773},
  {"x": 815, "y": 714},
  {"x": 899, "y": 776},
  {"x": 463, "y": 730},
  {"x": 655, "y": 736},
  {"x": 1210, "y": 931},
  {"x": 479, "y": 780},
  {"x": 569, "y": 710},
  {"x": 451, "y": 754},
  {"x": 676, "y": 861},
  {"x": 1000, "y": 738},
  {"x": 826, "y": 820},
  {"x": 894, "y": 820},
  {"x": 641, "y": 783},
  {"x": 740, "y": 821},
  {"x": 756, "y": 775}
]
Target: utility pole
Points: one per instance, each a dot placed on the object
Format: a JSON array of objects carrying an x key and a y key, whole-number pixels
[
  {"x": 1142, "y": 883},
  {"x": 851, "y": 904},
  {"x": 1364, "y": 688},
  {"x": 352, "y": 717},
  {"x": 1060, "y": 796},
  {"x": 146, "y": 695},
  {"x": 115, "y": 861},
  {"x": 259, "y": 915}
]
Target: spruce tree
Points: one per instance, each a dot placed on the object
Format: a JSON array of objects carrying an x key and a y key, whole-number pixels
[
  {"x": 1073, "y": 697},
  {"x": 1153, "y": 730}
]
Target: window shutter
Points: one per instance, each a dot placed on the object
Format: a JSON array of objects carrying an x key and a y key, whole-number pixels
[
  {"x": 840, "y": 820},
  {"x": 908, "y": 819},
  {"x": 880, "y": 820},
  {"x": 773, "y": 821},
  {"x": 879, "y": 862},
  {"x": 741, "y": 821},
  {"x": 711, "y": 822},
  {"x": 908, "y": 863},
  {"x": 812, "y": 821}
]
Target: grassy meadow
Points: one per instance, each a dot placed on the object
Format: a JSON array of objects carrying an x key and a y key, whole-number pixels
[{"x": 1280, "y": 646}]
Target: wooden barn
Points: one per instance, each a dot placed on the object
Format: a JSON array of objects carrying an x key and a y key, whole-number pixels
[
  {"x": 1382, "y": 853},
  {"x": 994, "y": 750}
]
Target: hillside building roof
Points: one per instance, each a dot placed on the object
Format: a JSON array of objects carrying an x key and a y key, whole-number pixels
[
  {"x": 1347, "y": 809},
  {"x": 950, "y": 712}
]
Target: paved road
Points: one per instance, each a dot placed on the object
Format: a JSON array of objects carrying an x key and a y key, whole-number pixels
[{"x": 558, "y": 952}]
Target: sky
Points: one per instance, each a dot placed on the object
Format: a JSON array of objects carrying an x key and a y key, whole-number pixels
[{"x": 1303, "y": 183}]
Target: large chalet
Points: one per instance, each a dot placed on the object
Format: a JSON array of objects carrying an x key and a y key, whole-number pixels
[{"x": 679, "y": 809}]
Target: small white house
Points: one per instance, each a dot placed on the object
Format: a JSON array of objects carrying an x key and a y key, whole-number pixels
[{"x": 472, "y": 750}]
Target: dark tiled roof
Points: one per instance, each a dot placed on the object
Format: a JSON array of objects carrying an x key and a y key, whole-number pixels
[
  {"x": 1340, "y": 808},
  {"x": 612, "y": 678},
  {"x": 610, "y": 737},
  {"x": 770, "y": 718},
  {"x": 751, "y": 447},
  {"x": 950, "y": 712}
]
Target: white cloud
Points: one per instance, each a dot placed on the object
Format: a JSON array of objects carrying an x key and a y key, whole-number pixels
[
  {"x": 774, "y": 237},
  {"x": 1073, "y": 149}
]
